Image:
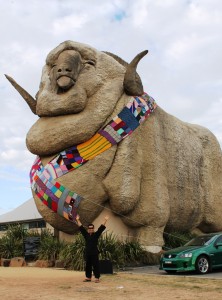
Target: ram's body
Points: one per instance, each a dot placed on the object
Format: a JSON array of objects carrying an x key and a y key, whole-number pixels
[{"x": 166, "y": 174}]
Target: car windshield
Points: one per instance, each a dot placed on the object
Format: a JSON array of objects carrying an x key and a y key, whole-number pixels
[{"x": 200, "y": 240}]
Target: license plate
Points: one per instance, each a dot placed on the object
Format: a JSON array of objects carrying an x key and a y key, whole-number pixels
[{"x": 168, "y": 262}]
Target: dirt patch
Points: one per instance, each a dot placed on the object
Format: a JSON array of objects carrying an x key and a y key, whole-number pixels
[{"x": 32, "y": 283}]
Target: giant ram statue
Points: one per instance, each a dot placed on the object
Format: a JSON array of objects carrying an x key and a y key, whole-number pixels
[{"x": 101, "y": 141}]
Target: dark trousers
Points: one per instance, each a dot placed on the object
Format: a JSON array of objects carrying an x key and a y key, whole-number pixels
[{"x": 92, "y": 264}]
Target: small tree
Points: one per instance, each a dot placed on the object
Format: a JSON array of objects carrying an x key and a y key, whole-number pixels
[{"x": 11, "y": 244}]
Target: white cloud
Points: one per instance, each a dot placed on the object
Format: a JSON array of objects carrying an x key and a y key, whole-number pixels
[
  {"x": 201, "y": 13},
  {"x": 72, "y": 22}
]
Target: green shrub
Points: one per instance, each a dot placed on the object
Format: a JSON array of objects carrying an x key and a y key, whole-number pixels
[
  {"x": 111, "y": 248},
  {"x": 121, "y": 253},
  {"x": 73, "y": 254},
  {"x": 176, "y": 239},
  {"x": 132, "y": 251},
  {"x": 11, "y": 244},
  {"x": 50, "y": 247}
]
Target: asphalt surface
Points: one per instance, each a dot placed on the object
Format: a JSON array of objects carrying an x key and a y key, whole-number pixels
[{"x": 216, "y": 274}]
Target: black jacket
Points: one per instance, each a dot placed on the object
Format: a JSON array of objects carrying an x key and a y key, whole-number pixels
[{"x": 92, "y": 240}]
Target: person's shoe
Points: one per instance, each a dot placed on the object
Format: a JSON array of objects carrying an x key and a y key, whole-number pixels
[
  {"x": 97, "y": 280},
  {"x": 87, "y": 280}
]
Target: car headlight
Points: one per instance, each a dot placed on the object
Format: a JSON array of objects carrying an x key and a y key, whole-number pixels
[{"x": 186, "y": 255}]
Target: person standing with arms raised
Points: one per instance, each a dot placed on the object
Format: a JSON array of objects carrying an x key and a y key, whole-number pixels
[{"x": 91, "y": 248}]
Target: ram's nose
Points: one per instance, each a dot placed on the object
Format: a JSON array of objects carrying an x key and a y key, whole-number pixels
[{"x": 65, "y": 82}]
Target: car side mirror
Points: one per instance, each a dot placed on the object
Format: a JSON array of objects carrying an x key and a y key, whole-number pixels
[{"x": 218, "y": 244}]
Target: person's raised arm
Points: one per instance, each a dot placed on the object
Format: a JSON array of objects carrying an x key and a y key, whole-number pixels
[
  {"x": 78, "y": 221},
  {"x": 105, "y": 220}
]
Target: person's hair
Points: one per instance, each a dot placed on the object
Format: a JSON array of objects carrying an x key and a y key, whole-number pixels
[{"x": 90, "y": 225}]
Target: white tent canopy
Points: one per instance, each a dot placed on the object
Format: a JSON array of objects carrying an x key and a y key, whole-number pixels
[{"x": 25, "y": 212}]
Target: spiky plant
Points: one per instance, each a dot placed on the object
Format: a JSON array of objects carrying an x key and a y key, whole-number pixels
[
  {"x": 73, "y": 254},
  {"x": 111, "y": 248},
  {"x": 176, "y": 239},
  {"x": 50, "y": 247},
  {"x": 133, "y": 252},
  {"x": 16, "y": 232},
  {"x": 11, "y": 244}
]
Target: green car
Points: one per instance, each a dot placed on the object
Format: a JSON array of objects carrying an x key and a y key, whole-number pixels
[{"x": 201, "y": 254}]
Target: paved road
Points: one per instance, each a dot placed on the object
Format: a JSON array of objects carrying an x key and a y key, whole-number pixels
[{"x": 155, "y": 270}]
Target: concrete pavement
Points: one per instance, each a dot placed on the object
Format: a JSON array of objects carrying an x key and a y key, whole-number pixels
[{"x": 216, "y": 274}]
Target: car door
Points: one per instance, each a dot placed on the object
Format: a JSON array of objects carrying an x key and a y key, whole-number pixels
[{"x": 216, "y": 252}]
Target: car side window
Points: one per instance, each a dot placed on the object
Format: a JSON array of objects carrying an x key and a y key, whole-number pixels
[{"x": 218, "y": 240}]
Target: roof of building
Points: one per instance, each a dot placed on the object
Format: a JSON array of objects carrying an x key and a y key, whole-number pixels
[{"x": 25, "y": 212}]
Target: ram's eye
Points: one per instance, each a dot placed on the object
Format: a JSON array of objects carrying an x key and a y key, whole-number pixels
[{"x": 90, "y": 62}]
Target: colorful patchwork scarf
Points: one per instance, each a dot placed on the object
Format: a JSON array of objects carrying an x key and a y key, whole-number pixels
[{"x": 57, "y": 197}]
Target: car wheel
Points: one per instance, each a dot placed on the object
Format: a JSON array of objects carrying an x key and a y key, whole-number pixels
[
  {"x": 170, "y": 271},
  {"x": 202, "y": 265}
]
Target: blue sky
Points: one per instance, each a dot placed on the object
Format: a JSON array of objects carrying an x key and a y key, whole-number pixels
[{"x": 182, "y": 70}]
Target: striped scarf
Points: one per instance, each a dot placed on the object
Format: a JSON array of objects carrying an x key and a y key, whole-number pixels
[{"x": 43, "y": 178}]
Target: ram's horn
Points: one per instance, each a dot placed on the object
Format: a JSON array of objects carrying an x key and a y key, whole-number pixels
[
  {"x": 28, "y": 98},
  {"x": 132, "y": 83}
]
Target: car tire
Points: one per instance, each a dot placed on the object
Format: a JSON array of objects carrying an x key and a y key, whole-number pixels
[
  {"x": 170, "y": 271},
  {"x": 202, "y": 265}
]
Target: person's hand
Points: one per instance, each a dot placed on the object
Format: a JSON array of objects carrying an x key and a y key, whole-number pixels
[
  {"x": 106, "y": 218},
  {"x": 78, "y": 222}
]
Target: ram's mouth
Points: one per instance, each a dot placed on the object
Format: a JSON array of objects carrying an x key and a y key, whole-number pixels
[{"x": 65, "y": 83}]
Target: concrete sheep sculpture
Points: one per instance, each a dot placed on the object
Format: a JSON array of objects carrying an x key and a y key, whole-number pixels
[{"x": 165, "y": 176}]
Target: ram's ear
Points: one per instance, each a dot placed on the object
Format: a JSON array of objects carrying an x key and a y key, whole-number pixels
[
  {"x": 25, "y": 95},
  {"x": 132, "y": 83},
  {"x": 117, "y": 58}
]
